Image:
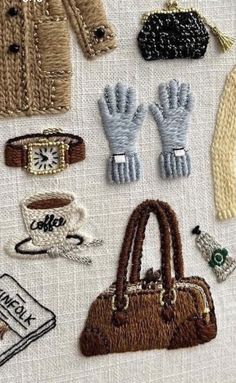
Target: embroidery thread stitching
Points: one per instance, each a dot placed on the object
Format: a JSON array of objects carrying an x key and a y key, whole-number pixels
[
  {"x": 217, "y": 256},
  {"x": 73, "y": 251},
  {"x": 83, "y": 31},
  {"x": 136, "y": 315},
  {"x": 122, "y": 121},
  {"x": 27, "y": 93},
  {"x": 223, "y": 151},
  {"x": 18, "y": 315},
  {"x": 174, "y": 32},
  {"x": 52, "y": 221},
  {"x": 172, "y": 119}
]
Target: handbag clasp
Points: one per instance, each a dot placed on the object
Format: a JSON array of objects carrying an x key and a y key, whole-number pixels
[
  {"x": 173, "y": 300},
  {"x": 113, "y": 302}
]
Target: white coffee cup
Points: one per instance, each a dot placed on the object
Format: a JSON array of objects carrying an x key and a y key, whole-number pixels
[{"x": 50, "y": 217}]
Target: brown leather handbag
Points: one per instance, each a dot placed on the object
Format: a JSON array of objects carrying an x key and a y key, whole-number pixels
[{"x": 155, "y": 312}]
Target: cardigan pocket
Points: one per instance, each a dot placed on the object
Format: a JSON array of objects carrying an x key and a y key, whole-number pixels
[
  {"x": 51, "y": 68},
  {"x": 52, "y": 46}
]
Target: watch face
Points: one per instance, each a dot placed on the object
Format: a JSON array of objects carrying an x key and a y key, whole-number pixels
[{"x": 46, "y": 158}]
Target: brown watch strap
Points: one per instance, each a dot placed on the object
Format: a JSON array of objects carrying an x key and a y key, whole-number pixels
[{"x": 16, "y": 153}]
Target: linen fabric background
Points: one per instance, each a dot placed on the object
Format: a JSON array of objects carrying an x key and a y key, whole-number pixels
[{"x": 69, "y": 288}]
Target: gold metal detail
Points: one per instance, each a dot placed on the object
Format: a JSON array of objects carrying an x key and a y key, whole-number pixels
[
  {"x": 171, "y": 8},
  {"x": 52, "y": 131},
  {"x": 62, "y": 148},
  {"x": 226, "y": 42},
  {"x": 172, "y": 4}
]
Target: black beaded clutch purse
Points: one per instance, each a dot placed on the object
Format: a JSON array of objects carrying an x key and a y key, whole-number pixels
[{"x": 177, "y": 33}]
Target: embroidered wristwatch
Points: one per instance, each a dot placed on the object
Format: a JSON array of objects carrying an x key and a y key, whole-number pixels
[{"x": 49, "y": 152}]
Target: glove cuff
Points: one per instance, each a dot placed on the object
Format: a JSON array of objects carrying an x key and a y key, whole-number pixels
[
  {"x": 175, "y": 164},
  {"x": 123, "y": 168}
]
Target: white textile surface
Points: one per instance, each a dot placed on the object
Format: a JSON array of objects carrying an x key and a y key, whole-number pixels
[{"x": 68, "y": 288}]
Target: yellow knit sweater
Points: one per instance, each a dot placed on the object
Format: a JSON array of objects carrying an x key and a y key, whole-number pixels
[{"x": 223, "y": 151}]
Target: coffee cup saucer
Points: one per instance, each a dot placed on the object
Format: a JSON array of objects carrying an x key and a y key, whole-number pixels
[{"x": 72, "y": 248}]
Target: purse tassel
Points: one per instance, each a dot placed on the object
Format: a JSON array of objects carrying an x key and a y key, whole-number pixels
[{"x": 225, "y": 41}]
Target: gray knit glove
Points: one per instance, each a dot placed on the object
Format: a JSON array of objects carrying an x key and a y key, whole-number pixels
[
  {"x": 122, "y": 121},
  {"x": 172, "y": 119}
]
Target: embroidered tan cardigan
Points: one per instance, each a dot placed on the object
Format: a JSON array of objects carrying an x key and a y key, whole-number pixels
[{"x": 34, "y": 51}]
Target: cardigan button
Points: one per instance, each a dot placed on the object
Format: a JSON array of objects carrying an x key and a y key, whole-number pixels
[
  {"x": 100, "y": 32},
  {"x": 13, "y": 11},
  {"x": 14, "y": 48}
]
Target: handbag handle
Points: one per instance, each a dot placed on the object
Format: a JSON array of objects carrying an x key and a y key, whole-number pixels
[
  {"x": 135, "y": 232},
  {"x": 176, "y": 244}
]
